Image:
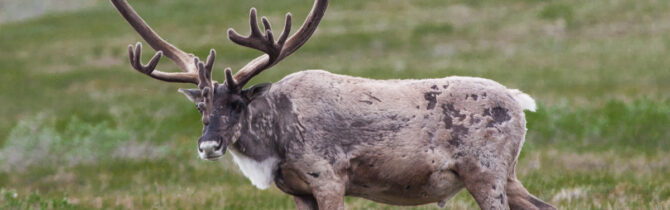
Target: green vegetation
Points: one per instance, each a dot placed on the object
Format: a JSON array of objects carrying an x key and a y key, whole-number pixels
[{"x": 80, "y": 129}]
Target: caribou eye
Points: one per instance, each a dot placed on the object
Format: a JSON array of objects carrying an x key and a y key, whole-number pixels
[
  {"x": 200, "y": 107},
  {"x": 236, "y": 106}
]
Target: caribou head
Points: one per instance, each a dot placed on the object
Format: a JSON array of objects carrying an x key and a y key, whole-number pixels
[{"x": 222, "y": 105}]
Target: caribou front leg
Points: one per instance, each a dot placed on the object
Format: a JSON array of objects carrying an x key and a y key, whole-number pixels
[
  {"x": 329, "y": 195},
  {"x": 328, "y": 187},
  {"x": 305, "y": 202}
]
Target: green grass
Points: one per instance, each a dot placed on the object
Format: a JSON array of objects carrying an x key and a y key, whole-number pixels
[{"x": 79, "y": 129}]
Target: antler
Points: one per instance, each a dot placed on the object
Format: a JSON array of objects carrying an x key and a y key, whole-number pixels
[
  {"x": 206, "y": 86},
  {"x": 194, "y": 71},
  {"x": 185, "y": 61},
  {"x": 274, "y": 51}
]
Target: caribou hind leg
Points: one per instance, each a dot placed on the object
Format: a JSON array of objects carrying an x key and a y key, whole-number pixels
[
  {"x": 519, "y": 198},
  {"x": 486, "y": 185}
]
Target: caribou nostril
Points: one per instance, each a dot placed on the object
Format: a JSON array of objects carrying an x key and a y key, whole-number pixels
[{"x": 219, "y": 140}]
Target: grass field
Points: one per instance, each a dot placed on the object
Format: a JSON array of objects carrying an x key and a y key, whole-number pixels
[{"x": 79, "y": 129}]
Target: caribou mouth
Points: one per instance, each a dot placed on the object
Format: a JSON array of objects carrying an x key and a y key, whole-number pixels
[{"x": 213, "y": 157}]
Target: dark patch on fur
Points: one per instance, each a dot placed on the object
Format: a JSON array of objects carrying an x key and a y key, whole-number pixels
[
  {"x": 457, "y": 133},
  {"x": 485, "y": 163},
  {"x": 498, "y": 114},
  {"x": 431, "y": 97},
  {"x": 392, "y": 116},
  {"x": 474, "y": 119},
  {"x": 448, "y": 121},
  {"x": 434, "y": 87},
  {"x": 359, "y": 123},
  {"x": 445, "y": 86},
  {"x": 458, "y": 155},
  {"x": 365, "y": 101},
  {"x": 448, "y": 109},
  {"x": 302, "y": 138},
  {"x": 373, "y": 97},
  {"x": 300, "y": 128},
  {"x": 449, "y": 113},
  {"x": 510, "y": 96},
  {"x": 474, "y": 96},
  {"x": 454, "y": 172},
  {"x": 314, "y": 174},
  {"x": 501, "y": 198},
  {"x": 431, "y": 138}
]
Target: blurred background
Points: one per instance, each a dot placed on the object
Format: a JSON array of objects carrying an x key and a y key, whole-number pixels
[{"x": 80, "y": 129}]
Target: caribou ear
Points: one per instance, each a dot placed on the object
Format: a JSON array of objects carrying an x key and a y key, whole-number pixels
[
  {"x": 194, "y": 95},
  {"x": 256, "y": 90}
]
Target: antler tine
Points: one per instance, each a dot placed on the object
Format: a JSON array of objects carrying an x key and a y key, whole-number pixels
[
  {"x": 257, "y": 40},
  {"x": 307, "y": 29},
  {"x": 136, "y": 63},
  {"x": 268, "y": 30},
  {"x": 230, "y": 81},
  {"x": 182, "y": 59},
  {"x": 274, "y": 51},
  {"x": 210, "y": 61},
  {"x": 205, "y": 70},
  {"x": 205, "y": 85},
  {"x": 287, "y": 30}
]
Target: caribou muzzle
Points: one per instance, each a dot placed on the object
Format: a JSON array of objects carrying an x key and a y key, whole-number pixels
[{"x": 211, "y": 148}]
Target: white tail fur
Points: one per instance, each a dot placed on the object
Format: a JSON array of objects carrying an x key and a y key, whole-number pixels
[{"x": 526, "y": 102}]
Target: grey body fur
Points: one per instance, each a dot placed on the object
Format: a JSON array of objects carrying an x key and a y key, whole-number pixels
[{"x": 401, "y": 142}]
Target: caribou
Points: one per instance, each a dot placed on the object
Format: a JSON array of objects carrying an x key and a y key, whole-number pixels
[{"x": 320, "y": 136}]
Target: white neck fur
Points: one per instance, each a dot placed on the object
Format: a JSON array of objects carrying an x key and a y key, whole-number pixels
[{"x": 259, "y": 173}]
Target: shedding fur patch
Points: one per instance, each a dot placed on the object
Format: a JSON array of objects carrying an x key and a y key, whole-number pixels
[
  {"x": 259, "y": 173},
  {"x": 526, "y": 102}
]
